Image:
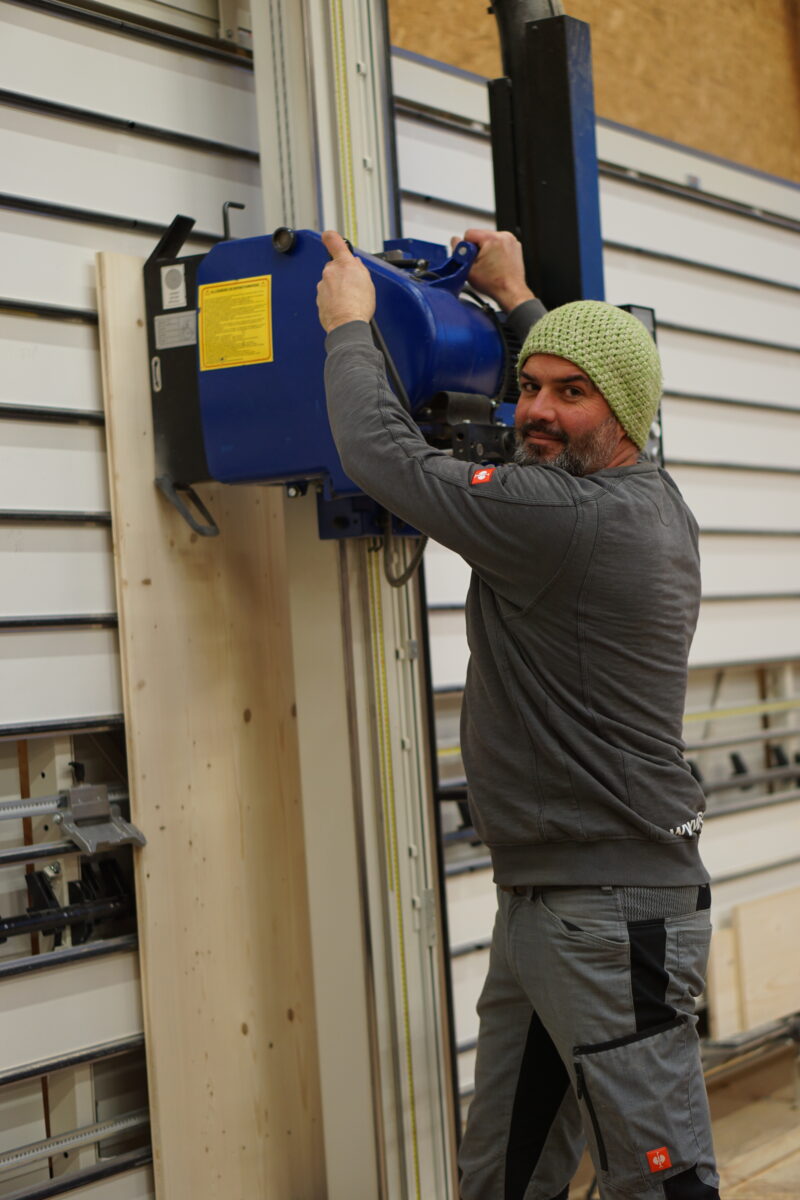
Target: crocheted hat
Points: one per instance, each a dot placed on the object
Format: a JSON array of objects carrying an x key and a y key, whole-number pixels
[{"x": 616, "y": 352}]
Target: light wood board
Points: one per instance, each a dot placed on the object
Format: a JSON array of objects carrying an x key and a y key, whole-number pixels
[
  {"x": 722, "y": 985},
  {"x": 221, "y": 884},
  {"x": 766, "y": 950}
]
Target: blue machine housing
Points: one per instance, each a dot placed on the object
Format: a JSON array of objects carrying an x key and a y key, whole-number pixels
[{"x": 267, "y": 421}]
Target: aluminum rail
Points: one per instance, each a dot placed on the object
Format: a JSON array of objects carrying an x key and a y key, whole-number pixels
[
  {"x": 86, "y": 1136},
  {"x": 74, "y": 1058},
  {"x": 40, "y": 806},
  {"x": 104, "y": 1169}
]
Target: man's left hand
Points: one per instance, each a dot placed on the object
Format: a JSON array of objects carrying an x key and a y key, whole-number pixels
[{"x": 346, "y": 291}]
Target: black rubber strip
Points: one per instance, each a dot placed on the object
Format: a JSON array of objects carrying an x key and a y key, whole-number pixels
[
  {"x": 36, "y": 516},
  {"x": 70, "y": 1183},
  {"x": 100, "y": 120},
  {"x": 32, "y": 963},
  {"x": 52, "y": 312},
  {"x": 88, "y": 216},
  {"x": 104, "y": 17},
  {"x": 52, "y": 416},
  {"x": 64, "y": 621},
  {"x": 33, "y": 729},
  {"x": 60, "y": 1061}
]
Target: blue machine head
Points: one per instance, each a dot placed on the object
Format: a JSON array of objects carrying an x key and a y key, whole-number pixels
[{"x": 260, "y": 355}]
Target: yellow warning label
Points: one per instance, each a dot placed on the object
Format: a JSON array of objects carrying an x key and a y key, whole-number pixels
[{"x": 235, "y": 322}]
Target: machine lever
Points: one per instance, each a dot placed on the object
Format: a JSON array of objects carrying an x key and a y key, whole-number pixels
[{"x": 226, "y": 219}]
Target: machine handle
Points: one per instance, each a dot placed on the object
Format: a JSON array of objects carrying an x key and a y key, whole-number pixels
[
  {"x": 452, "y": 274},
  {"x": 170, "y": 489}
]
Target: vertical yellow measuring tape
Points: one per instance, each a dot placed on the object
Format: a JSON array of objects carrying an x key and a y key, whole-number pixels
[
  {"x": 350, "y": 217},
  {"x": 392, "y": 848},
  {"x": 350, "y": 212}
]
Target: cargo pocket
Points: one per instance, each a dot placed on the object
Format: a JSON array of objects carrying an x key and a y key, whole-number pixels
[{"x": 638, "y": 1093}]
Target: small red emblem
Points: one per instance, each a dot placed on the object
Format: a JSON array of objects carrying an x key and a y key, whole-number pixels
[
  {"x": 659, "y": 1159},
  {"x": 483, "y": 475}
]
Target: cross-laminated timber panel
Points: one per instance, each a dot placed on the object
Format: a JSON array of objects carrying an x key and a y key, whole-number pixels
[{"x": 221, "y": 884}]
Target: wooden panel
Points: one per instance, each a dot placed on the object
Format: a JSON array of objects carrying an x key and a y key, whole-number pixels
[
  {"x": 451, "y": 166},
  {"x": 50, "y": 569},
  {"x": 447, "y": 576},
  {"x": 729, "y": 565},
  {"x": 449, "y": 650},
  {"x": 213, "y": 774},
  {"x": 58, "y": 674},
  {"x": 44, "y": 466},
  {"x": 769, "y": 965},
  {"x": 702, "y": 299},
  {"x": 728, "y": 631},
  {"x": 438, "y": 85},
  {"x": 133, "y": 1185},
  {"x": 197, "y": 16},
  {"x": 751, "y": 840},
  {"x": 50, "y": 363},
  {"x": 710, "y": 433},
  {"x": 642, "y": 217},
  {"x": 51, "y": 159},
  {"x": 722, "y": 985},
  {"x": 746, "y": 631},
  {"x": 471, "y": 906},
  {"x": 469, "y": 974},
  {"x": 52, "y": 261},
  {"x": 739, "y": 499},
  {"x": 75, "y": 64},
  {"x": 69, "y": 1008},
  {"x": 712, "y": 367},
  {"x": 22, "y": 1120},
  {"x": 720, "y": 73}
]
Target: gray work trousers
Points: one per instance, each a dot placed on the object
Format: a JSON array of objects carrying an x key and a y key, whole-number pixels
[{"x": 587, "y": 1033}]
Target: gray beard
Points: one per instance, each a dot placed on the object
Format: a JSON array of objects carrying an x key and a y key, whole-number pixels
[{"x": 580, "y": 456}]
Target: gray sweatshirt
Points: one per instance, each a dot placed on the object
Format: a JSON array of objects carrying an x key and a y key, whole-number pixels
[{"x": 580, "y": 613}]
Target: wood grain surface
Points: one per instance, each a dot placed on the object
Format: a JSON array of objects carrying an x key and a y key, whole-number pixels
[
  {"x": 221, "y": 886},
  {"x": 721, "y": 76}
]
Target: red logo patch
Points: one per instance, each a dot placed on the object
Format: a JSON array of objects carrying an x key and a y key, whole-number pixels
[
  {"x": 483, "y": 475},
  {"x": 659, "y": 1159}
]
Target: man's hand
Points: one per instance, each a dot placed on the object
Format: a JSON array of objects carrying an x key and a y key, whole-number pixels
[
  {"x": 498, "y": 271},
  {"x": 346, "y": 291}
]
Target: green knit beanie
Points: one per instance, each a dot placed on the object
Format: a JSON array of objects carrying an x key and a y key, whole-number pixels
[{"x": 616, "y": 352}]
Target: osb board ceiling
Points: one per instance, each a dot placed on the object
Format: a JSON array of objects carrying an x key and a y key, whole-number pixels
[{"x": 719, "y": 75}]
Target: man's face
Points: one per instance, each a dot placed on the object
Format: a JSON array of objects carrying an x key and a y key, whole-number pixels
[{"x": 561, "y": 419}]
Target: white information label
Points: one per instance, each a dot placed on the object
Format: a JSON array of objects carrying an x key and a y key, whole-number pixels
[
  {"x": 173, "y": 286},
  {"x": 176, "y": 329}
]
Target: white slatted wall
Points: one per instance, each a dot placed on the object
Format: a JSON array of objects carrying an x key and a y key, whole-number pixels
[{"x": 110, "y": 136}]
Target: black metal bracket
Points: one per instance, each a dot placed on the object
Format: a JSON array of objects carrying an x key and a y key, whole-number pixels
[
  {"x": 171, "y": 490},
  {"x": 171, "y": 242}
]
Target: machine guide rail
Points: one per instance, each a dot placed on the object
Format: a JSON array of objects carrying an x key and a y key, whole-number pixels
[
  {"x": 83, "y": 813},
  {"x": 86, "y": 1136}
]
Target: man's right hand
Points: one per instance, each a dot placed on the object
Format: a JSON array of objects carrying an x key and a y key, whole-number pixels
[{"x": 498, "y": 271}]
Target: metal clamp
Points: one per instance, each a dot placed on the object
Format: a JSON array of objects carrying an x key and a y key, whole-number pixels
[{"x": 88, "y": 819}]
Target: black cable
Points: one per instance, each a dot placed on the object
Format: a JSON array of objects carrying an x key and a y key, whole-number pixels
[
  {"x": 400, "y": 580},
  {"x": 395, "y": 581},
  {"x": 391, "y": 369}
]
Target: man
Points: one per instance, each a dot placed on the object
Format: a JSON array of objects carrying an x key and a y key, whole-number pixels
[{"x": 583, "y": 602}]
